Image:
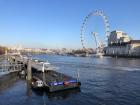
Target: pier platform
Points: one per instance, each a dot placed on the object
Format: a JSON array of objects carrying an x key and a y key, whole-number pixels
[
  {"x": 56, "y": 81},
  {"x": 43, "y": 76}
]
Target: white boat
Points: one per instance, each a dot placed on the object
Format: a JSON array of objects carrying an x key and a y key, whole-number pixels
[
  {"x": 98, "y": 55},
  {"x": 37, "y": 83},
  {"x": 4, "y": 73}
]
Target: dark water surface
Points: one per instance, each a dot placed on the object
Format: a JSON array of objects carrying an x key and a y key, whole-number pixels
[{"x": 107, "y": 81}]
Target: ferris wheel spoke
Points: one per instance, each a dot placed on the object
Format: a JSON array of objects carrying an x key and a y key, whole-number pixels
[{"x": 83, "y": 27}]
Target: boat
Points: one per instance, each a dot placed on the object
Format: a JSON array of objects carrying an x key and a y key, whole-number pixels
[
  {"x": 54, "y": 81},
  {"x": 36, "y": 83},
  {"x": 4, "y": 73},
  {"x": 98, "y": 55}
]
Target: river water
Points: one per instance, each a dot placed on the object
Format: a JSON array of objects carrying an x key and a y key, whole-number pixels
[{"x": 106, "y": 81}]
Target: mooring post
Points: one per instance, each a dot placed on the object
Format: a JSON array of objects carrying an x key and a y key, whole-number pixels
[
  {"x": 78, "y": 75},
  {"x": 29, "y": 91},
  {"x": 29, "y": 70},
  {"x": 43, "y": 73}
]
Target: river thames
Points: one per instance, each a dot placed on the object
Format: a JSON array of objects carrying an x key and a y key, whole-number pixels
[{"x": 106, "y": 81}]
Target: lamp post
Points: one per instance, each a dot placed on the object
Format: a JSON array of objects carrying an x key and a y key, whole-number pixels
[{"x": 43, "y": 70}]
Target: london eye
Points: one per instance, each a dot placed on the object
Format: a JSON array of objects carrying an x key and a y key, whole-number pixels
[{"x": 106, "y": 30}]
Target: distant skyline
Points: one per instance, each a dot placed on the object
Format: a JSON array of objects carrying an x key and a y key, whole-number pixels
[{"x": 57, "y": 23}]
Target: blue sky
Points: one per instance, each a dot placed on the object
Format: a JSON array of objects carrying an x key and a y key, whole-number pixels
[{"x": 57, "y": 23}]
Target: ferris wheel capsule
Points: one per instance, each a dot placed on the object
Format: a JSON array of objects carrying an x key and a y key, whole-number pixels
[{"x": 106, "y": 24}]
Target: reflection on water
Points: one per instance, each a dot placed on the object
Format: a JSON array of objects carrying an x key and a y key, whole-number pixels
[
  {"x": 63, "y": 94},
  {"x": 7, "y": 81},
  {"x": 19, "y": 86},
  {"x": 29, "y": 89},
  {"x": 57, "y": 95}
]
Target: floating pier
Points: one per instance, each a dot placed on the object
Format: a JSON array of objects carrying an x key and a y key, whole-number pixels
[
  {"x": 55, "y": 81},
  {"x": 43, "y": 76}
]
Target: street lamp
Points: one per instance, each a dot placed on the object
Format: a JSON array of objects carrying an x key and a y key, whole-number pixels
[{"x": 43, "y": 70}]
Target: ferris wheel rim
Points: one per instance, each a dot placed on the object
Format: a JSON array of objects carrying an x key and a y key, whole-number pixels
[{"x": 106, "y": 24}]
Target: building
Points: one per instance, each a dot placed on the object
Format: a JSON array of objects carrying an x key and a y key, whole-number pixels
[
  {"x": 134, "y": 47},
  {"x": 120, "y": 44},
  {"x": 118, "y": 37}
]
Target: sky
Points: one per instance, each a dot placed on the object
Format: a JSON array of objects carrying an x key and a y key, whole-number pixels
[{"x": 57, "y": 23}]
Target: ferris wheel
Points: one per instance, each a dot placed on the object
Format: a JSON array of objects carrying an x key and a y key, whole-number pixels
[{"x": 106, "y": 25}]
